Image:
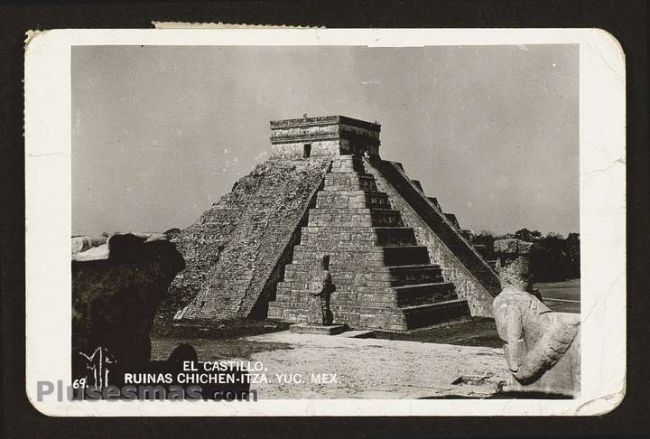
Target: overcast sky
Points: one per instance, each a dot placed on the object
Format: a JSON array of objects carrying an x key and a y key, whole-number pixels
[{"x": 161, "y": 133}]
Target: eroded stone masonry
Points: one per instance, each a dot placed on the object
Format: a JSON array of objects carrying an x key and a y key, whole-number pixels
[{"x": 397, "y": 260}]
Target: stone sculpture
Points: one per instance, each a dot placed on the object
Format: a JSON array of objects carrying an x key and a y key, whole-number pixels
[
  {"x": 117, "y": 285},
  {"x": 542, "y": 347},
  {"x": 320, "y": 313}
]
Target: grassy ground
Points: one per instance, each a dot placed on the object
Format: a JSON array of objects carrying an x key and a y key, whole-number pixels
[
  {"x": 216, "y": 329},
  {"x": 214, "y": 339},
  {"x": 209, "y": 349},
  {"x": 561, "y": 296},
  {"x": 467, "y": 332}
]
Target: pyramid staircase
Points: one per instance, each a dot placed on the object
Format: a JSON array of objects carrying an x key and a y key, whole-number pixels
[{"x": 383, "y": 278}]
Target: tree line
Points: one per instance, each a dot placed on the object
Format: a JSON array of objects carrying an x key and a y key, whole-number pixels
[{"x": 553, "y": 258}]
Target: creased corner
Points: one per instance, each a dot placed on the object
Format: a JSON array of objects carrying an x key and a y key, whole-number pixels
[
  {"x": 601, "y": 405},
  {"x": 31, "y": 34}
]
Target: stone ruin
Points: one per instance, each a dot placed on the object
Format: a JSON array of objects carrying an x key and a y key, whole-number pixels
[
  {"x": 117, "y": 284},
  {"x": 118, "y": 281},
  {"x": 398, "y": 261},
  {"x": 542, "y": 347},
  {"x": 513, "y": 262}
]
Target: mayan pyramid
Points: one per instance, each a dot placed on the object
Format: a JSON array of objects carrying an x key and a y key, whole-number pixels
[{"x": 398, "y": 262}]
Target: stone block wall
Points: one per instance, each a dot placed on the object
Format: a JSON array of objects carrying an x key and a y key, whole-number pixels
[
  {"x": 513, "y": 262},
  {"x": 294, "y": 150},
  {"x": 232, "y": 252},
  {"x": 328, "y": 136}
]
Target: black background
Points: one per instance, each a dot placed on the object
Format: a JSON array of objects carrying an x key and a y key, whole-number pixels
[{"x": 625, "y": 19}]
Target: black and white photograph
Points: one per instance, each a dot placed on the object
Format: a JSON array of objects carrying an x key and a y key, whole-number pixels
[{"x": 324, "y": 221}]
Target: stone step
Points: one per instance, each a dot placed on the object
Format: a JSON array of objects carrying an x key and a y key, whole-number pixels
[
  {"x": 388, "y": 299},
  {"x": 349, "y": 181},
  {"x": 366, "y": 256},
  {"x": 347, "y": 164},
  {"x": 311, "y": 283},
  {"x": 355, "y": 316},
  {"x": 397, "y": 275},
  {"x": 303, "y": 297},
  {"x": 355, "y": 239},
  {"x": 355, "y": 217},
  {"x": 395, "y": 236},
  {"x": 418, "y": 185},
  {"x": 434, "y": 201},
  {"x": 419, "y": 316},
  {"x": 380, "y": 283},
  {"x": 352, "y": 199},
  {"x": 394, "y": 275},
  {"x": 387, "y": 318},
  {"x": 416, "y": 273},
  {"x": 350, "y": 236},
  {"x": 381, "y": 290},
  {"x": 425, "y": 293}
]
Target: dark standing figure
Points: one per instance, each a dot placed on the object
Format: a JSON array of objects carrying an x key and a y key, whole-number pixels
[{"x": 326, "y": 288}]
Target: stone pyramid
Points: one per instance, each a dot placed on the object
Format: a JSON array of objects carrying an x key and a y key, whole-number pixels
[{"x": 398, "y": 262}]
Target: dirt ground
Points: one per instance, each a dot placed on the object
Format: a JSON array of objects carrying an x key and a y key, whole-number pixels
[
  {"x": 321, "y": 366},
  {"x": 376, "y": 368},
  {"x": 458, "y": 359}
]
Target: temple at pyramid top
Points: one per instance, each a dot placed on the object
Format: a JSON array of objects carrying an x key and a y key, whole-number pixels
[{"x": 324, "y": 136}]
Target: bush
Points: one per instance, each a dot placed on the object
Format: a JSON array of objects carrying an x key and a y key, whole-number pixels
[{"x": 553, "y": 258}]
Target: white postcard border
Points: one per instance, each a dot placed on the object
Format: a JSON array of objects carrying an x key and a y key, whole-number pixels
[{"x": 602, "y": 218}]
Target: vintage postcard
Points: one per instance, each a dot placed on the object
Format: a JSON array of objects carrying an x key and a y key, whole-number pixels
[{"x": 309, "y": 222}]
